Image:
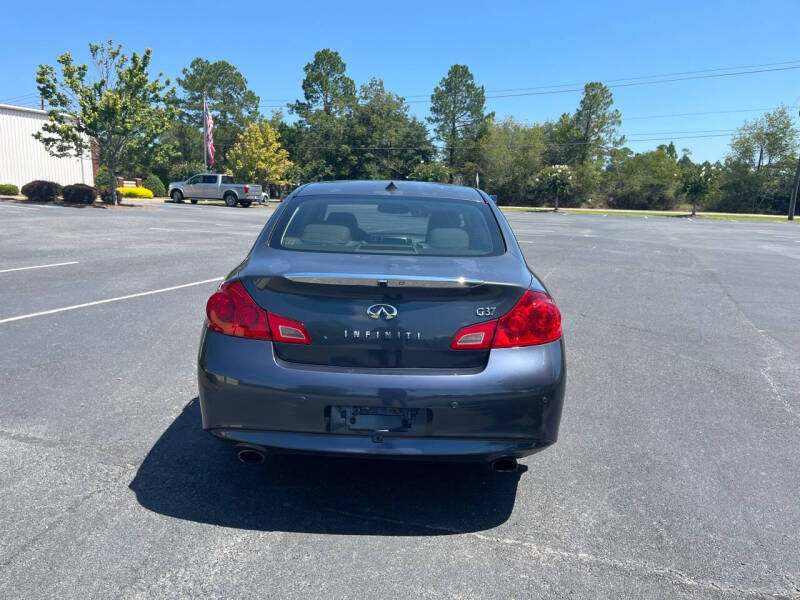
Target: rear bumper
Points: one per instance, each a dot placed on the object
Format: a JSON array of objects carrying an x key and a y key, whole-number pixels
[
  {"x": 511, "y": 407},
  {"x": 388, "y": 447}
]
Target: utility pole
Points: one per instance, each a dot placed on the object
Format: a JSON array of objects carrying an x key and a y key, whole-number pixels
[
  {"x": 205, "y": 136},
  {"x": 793, "y": 199}
]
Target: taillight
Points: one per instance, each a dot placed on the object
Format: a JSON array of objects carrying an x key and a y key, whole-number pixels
[
  {"x": 474, "y": 337},
  {"x": 246, "y": 189},
  {"x": 231, "y": 310},
  {"x": 534, "y": 319},
  {"x": 287, "y": 330}
]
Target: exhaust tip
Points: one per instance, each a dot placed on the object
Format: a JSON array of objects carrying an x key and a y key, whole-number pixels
[
  {"x": 507, "y": 464},
  {"x": 250, "y": 456}
]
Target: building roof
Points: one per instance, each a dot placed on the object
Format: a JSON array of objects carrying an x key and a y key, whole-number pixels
[
  {"x": 390, "y": 188},
  {"x": 25, "y": 109}
]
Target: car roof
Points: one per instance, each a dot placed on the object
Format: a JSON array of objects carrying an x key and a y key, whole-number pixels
[{"x": 390, "y": 188}]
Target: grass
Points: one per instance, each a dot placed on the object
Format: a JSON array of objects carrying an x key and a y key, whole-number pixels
[{"x": 649, "y": 213}]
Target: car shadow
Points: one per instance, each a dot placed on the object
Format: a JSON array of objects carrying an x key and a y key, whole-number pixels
[{"x": 188, "y": 474}]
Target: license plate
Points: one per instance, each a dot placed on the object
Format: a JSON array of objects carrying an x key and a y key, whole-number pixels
[{"x": 371, "y": 418}]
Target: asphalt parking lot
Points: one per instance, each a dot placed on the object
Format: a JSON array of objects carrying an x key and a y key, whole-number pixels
[{"x": 677, "y": 472}]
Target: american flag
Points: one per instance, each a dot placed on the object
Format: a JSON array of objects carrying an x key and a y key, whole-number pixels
[{"x": 209, "y": 137}]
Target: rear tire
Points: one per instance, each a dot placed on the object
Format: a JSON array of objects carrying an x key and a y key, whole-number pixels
[
  {"x": 230, "y": 200},
  {"x": 177, "y": 196},
  {"x": 193, "y": 200},
  {"x": 245, "y": 203}
]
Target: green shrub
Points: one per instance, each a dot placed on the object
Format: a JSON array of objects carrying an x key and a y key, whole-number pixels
[
  {"x": 155, "y": 185},
  {"x": 135, "y": 192},
  {"x": 431, "y": 171},
  {"x": 103, "y": 178},
  {"x": 41, "y": 191},
  {"x": 79, "y": 193},
  {"x": 105, "y": 195},
  {"x": 182, "y": 171},
  {"x": 8, "y": 189}
]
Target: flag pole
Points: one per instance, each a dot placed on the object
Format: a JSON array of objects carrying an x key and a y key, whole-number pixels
[{"x": 205, "y": 136}]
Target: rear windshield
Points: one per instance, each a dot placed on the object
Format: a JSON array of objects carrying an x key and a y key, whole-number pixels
[{"x": 369, "y": 225}]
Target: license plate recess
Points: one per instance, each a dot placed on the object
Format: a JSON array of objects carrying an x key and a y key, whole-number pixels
[{"x": 375, "y": 418}]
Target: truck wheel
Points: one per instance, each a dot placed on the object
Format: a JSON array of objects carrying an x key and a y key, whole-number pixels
[
  {"x": 246, "y": 203},
  {"x": 230, "y": 199},
  {"x": 177, "y": 196},
  {"x": 193, "y": 200}
]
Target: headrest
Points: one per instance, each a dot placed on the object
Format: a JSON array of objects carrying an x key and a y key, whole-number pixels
[
  {"x": 343, "y": 218},
  {"x": 323, "y": 233},
  {"x": 448, "y": 237},
  {"x": 444, "y": 219}
]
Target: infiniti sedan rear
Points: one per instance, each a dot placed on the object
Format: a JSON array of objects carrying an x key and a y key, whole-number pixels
[{"x": 384, "y": 319}]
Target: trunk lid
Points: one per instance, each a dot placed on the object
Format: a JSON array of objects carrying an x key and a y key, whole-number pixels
[{"x": 384, "y": 311}]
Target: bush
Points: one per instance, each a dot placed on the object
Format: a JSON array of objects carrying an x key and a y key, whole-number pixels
[
  {"x": 103, "y": 178},
  {"x": 8, "y": 189},
  {"x": 79, "y": 193},
  {"x": 135, "y": 192},
  {"x": 182, "y": 171},
  {"x": 42, "y": 191},
  {"x": 155, "y": 185},
  {"x": 105, "y": 196},
  {"x": 431, "y": 171}
]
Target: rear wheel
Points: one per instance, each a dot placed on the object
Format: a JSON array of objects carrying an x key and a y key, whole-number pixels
[
  {"x": 193, "y": 200},
  {"x": 177, "y": 196},
  {"x": 230, "y": 199},
  {"x": 245, "y": 203}
]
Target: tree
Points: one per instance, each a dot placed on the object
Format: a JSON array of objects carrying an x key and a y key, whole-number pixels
[
  {"x": 457, "y": 110},
  {"x": 258, "y": 156},
  {"x": 325, "y": 86},
  {"x": 697, "y": 181},
  {"x": 233, "y": 105},
  {"x": 648, "y": 180},
  {"x": 596, "y": 123},
  {"x": 510, "y": 156},
  {"x": 561, "y": 141},
  {"x": 435, "y": 171},
  {"x": 554, "y": 183},
  {"x": 761, "y": 162},
  {"x": 371, "y": 137},
  {"x": 119, "y": 109},
  {"x": 388, "y": 143},
  {"x": 768, "y": 140}
]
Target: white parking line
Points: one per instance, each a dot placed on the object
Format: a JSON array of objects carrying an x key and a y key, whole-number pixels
[
  {"x": 211, "y": 231},
  {"x": 8, "y": 205},
  {"x": 106, "y": 301},
  {"x": 74, "y": 262}
]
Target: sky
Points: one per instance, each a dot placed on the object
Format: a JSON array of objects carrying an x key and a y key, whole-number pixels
[{"x": 507, "y": 45}]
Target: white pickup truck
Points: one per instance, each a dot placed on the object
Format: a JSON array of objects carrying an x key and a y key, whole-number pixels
[{"x": 212, "y": 186}]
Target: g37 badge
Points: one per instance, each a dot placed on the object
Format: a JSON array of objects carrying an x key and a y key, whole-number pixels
[{"x": 485, "y": 311}]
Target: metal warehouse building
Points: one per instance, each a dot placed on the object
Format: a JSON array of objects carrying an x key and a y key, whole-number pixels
[{"x": 24, "y": 158}]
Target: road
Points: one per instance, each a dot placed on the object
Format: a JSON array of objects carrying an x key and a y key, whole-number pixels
[{"x": 676, "y": 475}]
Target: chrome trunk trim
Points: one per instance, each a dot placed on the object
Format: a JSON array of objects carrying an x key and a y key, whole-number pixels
[{"x": 382, "y": 280}]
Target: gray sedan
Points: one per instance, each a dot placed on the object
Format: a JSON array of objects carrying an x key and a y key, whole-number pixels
[{"x": 376, "y": 318}]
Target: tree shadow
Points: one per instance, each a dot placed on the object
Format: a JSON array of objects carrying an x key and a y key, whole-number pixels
[{"x": 188, "y": 474}]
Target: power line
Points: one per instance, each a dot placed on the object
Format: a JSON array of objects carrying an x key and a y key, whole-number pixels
[
  {"x": 640, "y": 77},
  {"x": 440, "y": 147},
  {"x": 680, "y": 132},
  {"x": 633, "y": 84},
  {"x": 621, "y": 82},
  {"x": 691, "y": 114},
  {"x": 21, "y": 98}
]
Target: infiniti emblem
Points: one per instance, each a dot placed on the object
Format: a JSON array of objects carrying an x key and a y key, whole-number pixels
[{"x": 387, "y": 311}]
